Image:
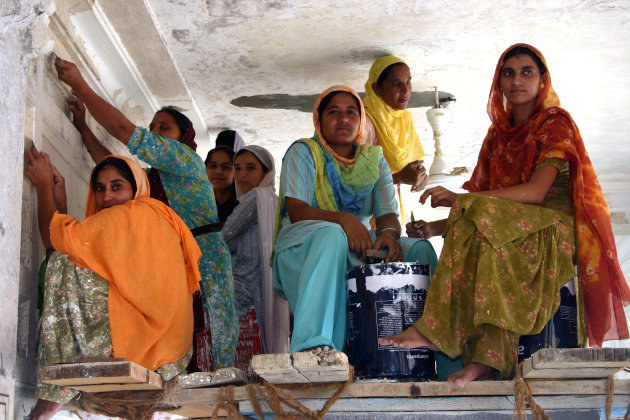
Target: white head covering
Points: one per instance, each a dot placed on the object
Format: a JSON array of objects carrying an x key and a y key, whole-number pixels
[
  {"x": 239, "y": 143},
  {"x": 266, "y": 158},
  {"x": 276, "y": 310}
]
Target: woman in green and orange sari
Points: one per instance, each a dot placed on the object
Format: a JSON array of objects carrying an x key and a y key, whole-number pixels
[{"x": 511, "y": 245}]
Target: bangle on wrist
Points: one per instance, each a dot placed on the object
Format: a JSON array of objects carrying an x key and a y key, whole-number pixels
[
  {"x": 392, "y": 229},
  {"x": 90, "y": 150}
]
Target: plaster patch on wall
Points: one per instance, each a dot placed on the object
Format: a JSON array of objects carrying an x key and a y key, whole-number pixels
[
  {"x": 244, "y": 60},
  {"x": 23, "y": 331},
  {"x": 26, "y": 243},
  {"x": 367, "y": 54},
  {"x": 247, "y": 9},
  {"x": 182, "y": 35},
  {"x": 619, "y": 217}
]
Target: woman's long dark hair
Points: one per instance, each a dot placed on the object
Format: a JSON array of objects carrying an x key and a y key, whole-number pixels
[
  {"x": 118, "y": 164},
  {"x": 181, "y": 120}
]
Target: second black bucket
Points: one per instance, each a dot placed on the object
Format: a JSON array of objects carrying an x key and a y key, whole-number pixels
[
  {"x": 560, "y": 332},
  {"x": 383, "y": 300}
]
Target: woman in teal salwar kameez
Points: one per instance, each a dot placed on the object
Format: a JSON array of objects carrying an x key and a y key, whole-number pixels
[{"x": 330, "y": 187}]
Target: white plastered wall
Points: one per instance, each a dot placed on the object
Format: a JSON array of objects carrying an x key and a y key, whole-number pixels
[{"x": 34, "y": 112}]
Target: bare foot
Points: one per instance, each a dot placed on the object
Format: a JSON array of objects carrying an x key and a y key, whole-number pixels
[
  {"x": 471, "y": 372},
  {"x": 318, "y": 350},
  {"x": 44, "y": 410},
  {"x": 408, "y": 339}
]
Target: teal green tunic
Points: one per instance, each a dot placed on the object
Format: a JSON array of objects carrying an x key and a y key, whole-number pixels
[{"x": 191, "y": 196}]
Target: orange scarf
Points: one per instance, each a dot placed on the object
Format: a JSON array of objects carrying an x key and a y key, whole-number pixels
[
  {"x": 509, "y": 156},
  {"x": 149, "y": 257},
  {"x": 344, "y": 162}
]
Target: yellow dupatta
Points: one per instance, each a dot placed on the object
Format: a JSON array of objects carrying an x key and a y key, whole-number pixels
[{"x": 394, "y": 128}]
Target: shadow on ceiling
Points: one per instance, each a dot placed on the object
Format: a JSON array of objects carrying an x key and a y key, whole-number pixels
[{"x": 305, "y": 103}]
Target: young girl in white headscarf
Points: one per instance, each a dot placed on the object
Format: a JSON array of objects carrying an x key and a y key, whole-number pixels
[{"x": 249, "y": 234}]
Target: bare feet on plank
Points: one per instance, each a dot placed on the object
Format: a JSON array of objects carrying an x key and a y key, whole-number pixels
[
  {"x": 471, "y": 372},
  {"x": 408, "y": 339}
]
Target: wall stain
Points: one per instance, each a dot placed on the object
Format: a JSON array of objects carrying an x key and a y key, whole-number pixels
[
  {"x": 182, "y": 35},
  {"x": 305, "y": 103}
]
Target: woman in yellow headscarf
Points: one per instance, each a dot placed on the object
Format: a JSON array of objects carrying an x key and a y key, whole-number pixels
[
  {"x": 120, "y": 283},
  {"x": 390, "y": 125}
]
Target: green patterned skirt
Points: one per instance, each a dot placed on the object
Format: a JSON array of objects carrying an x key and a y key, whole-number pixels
[
  {"x": 499, "y": 276},
  {"x": 75, "y": 324}
]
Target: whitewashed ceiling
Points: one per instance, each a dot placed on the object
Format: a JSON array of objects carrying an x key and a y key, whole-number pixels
[{"x": 204, "y": 54}]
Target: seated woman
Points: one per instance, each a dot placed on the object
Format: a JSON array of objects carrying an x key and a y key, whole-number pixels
[
  {"x": 390, "y": 125},
  {"x": 178, "y": 178},
  {"x": 249, "y": 234},
  {"x": 510, "y": 246},
  {"x": 330, "y": 187},
  {"x": 220, "y": 170},
  {"x": 121, "y": 282}
]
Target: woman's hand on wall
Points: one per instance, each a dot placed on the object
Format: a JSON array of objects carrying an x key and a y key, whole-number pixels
[
  {"x": 69, "y": 74},
  {"x": 76, "y": 107},
  {"x": 39, "y": 169},
  {"x": 414, "y": 174},
  {"x": 42, "y": 174},
  {"x": 440, "y": 197},
  {"x": 59, "y": 190},
  {"x": 104, "y": 113}
]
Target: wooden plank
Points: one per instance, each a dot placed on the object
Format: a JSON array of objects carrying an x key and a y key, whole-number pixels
[
  {"x": 324, "y": 366},
  {"x": 221, "y": 377},
  {"x": 116, "y": 387},
  {"x": 581, "y": 358},
  {"x": 195, "y": 411},
  {"x": 431, "y": 404},
  {"x": 277, "y": 369},
  {"x": 99, "y": 373},
  {"x": 503, "y": 389},
  {"x": 529, "y": 371}
]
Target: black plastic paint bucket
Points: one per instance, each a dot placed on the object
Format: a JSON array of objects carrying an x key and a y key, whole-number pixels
[
  {"x": 383, "y": 300},
  {"x": 560, "y": 332}
]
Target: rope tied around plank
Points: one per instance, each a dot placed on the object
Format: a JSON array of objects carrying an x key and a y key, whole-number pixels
[
  {"x": 136, "y": 405},
  {"x": 275, "y": 396},
  {"x": 523, "y": 397}
]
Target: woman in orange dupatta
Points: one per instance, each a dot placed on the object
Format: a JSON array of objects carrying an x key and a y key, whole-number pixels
[
  {"x": 513, "y": 241},
  {"x": 120, "y": 283}
]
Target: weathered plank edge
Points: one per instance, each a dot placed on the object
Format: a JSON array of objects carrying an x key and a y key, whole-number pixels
[
  {"x": 205, "y": 396},
  {"x": 462, "y": 403},
  {"x": 579, "y": 358},
  {"x": 100, "y": 373}
]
